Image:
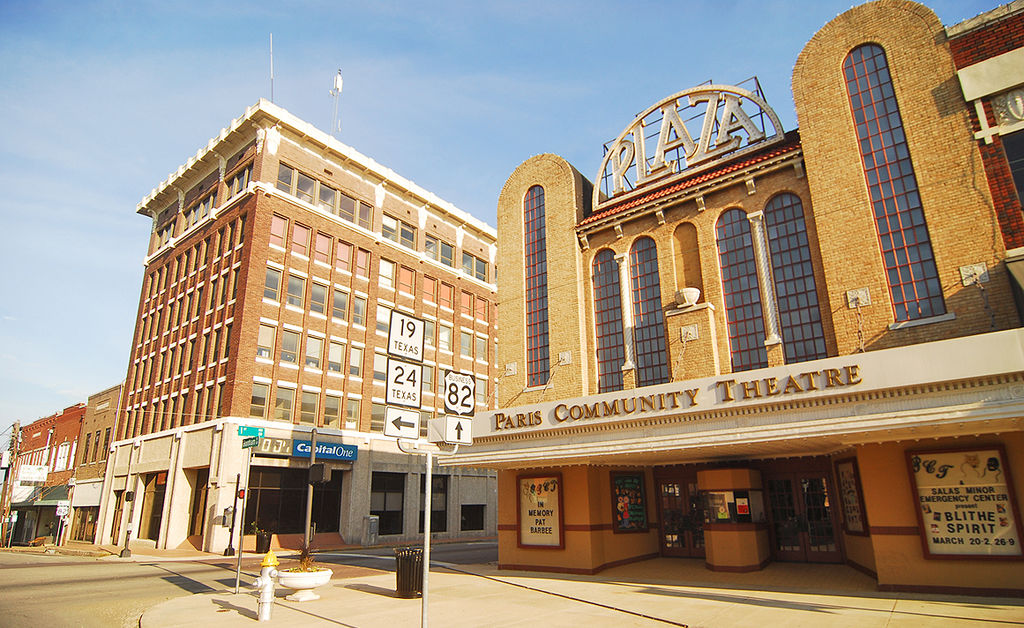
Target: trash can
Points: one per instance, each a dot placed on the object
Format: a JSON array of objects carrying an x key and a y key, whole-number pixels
[{"x": 409, "y": 571}]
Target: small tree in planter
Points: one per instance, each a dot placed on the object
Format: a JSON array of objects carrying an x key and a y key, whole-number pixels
[
  {"x": 305, "y": 577},
  {"x": 262, "y": 537}
]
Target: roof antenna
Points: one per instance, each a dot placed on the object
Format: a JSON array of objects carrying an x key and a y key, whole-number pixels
[
  {"x": 336, "y": 92},
  {"x": 271, "y": 67}
]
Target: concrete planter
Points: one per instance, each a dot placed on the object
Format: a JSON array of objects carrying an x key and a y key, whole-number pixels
[{"x": 303, "y": 582}]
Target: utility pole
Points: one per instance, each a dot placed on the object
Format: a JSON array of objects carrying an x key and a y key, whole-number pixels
[
  {"x": 309, "y": 485},
  {"x": 5, "y": 498}
]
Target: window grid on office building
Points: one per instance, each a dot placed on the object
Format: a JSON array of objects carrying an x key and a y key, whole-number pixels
[
  {"x": 608, "y": 322},
  {"x": 537, "y": 359},
  {"x": 648, "y": 322},
  {"x": 895, "y": 201},
  {"x": 741, "y": 292},
  {"x": 795, "y": 290}
]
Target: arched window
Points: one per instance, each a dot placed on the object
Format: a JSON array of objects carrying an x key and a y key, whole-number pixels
[
  {"x": 799, "y": 316},
  {"x": 899, "y": 219},
  {"x": 648, "y": 323},
  {"x": 537, "y": 362},
  {"x": 740, "y": 288},
  {"x": 608, "y": 322}
]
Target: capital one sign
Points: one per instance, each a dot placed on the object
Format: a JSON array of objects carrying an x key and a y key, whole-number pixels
[{"x": 683, "y": 134}]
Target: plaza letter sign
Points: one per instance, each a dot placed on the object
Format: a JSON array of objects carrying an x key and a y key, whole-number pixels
[{"x": 683, "y": 134}]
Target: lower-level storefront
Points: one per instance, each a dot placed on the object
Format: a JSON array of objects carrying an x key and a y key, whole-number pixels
[
  {"x": 198, "y": 486},
  {"x": 903, "y": 464}
]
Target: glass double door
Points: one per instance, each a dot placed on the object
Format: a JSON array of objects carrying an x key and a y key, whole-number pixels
[
  {"x": 682, "y": 520},
  {"x": 802, "y": 518}
]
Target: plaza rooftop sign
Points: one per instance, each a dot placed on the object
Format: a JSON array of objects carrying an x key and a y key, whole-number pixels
[{"x": 683, "y": 134}]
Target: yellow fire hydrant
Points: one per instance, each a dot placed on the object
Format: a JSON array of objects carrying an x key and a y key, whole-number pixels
[{"x": 265, "y": 585}]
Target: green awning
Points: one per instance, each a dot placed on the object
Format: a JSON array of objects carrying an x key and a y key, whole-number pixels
[{"x": 44, "y": 496}]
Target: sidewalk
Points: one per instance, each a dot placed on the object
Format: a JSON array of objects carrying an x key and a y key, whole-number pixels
[{"x": 641, "y": 594}]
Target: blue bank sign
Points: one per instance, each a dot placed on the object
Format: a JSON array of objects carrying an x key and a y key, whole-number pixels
[{"x": 325, "y": 451}]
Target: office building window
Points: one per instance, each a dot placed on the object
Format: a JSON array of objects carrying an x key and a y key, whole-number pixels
[
  {"x": 398, "y": 231},
  {"x": 300, "y": 239},
  {"x": 355, "y": 361},
  {"x": 296, "y": 290},
  {"x": 318, "y": 298},
  {"x": 332, "y": 411},
  {"x": 387, "y": 274},
  {"x": 474, "y": 266},
  {"x": 322, "y": 253},
  {"x": 387, "y": 496},
  {"x": 278, "y": 227},
  {"x": 406, "y": 279},
  {"x": 444, "y": 337},
  {"x": 314, "y": 351},
  {"x": 339, "y": 309},
  {"x": 307, "y": 407},
  {"x": 283, "y": 403},
  {"x": 362, "y": 263},
  {"x": 351, "y": 414},
  {"x": 358, "y": 310},
  {"x": 271, "y": 288},
  {"x": 343, "y": 256},
  {"x": 289, "y": 346},
  {"x": 466, "y": 344},
  {"x": 265, "y": 341},
  {"x": 438, "y": 502},
  {"x": 258, "y": 405},
  {"x": 335, "y": 356},
  {"x": 439, "y": 250}
]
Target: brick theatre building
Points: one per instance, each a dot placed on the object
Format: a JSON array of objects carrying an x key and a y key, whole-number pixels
[{"x": 747, "y": 344}]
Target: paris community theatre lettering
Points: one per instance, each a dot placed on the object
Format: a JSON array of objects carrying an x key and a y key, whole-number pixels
[{"x": 727, "y": 390}]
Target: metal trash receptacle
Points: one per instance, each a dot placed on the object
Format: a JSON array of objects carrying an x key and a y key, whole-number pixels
[{"x": 408, "y": 571}]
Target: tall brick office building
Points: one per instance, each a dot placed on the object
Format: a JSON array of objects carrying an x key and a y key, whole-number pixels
[
  {"x": 277, "y": 256},
  {"x": 794, "y": 345}
]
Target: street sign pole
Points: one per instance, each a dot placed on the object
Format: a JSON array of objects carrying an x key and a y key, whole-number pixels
[
  {"x": 238, "y": 564},
  {"x": 309, "y": 486},
  {"x": 428, "y": 490}
]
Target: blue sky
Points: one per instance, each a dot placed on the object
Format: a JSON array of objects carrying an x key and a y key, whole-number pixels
[{"x": 102, "y": 100}]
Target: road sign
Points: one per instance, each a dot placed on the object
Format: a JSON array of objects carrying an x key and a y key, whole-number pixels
[
  {"x": 458, "y": 430},
  {"x": 63, "y": 508},
  {"x": 402, "y": 423},
  {"x": 245, "y": 430},
  {"x": 459, "y": 393},
  {"x": 404, "y": 383},
  {"x": 250, "y": 441},
  {"x": 405, "y": 336}
]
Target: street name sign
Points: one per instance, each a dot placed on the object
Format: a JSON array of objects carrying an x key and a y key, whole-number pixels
[
  {"x": 401, "y": 423},
  {"x": 246, "y": 430},
  {"x": 250, "y": 441}
]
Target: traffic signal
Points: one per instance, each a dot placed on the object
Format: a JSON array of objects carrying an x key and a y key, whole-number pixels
[
  {"x": 241, "y": 493},
  {"x": 318, "y": 473}
]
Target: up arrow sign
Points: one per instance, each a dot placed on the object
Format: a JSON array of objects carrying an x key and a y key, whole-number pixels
[{"x": 401, "y": 423}]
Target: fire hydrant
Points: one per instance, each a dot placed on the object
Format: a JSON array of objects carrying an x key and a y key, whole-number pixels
[{"x": 265, "y": 585}]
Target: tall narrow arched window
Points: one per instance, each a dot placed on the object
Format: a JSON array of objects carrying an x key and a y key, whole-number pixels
[
  {"x": 611, "y": 352},
  {"x": 740, "y": 287},
  {"x": 899, "y": 220},
  {"x": 799, "y": 316},
  {"x": 537, "y": 360},
  {"x": 648, "y": 321}
]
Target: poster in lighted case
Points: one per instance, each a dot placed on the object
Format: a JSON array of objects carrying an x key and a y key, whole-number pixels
[
  {"x": 965, "y": 502},
  {"x": 540, "y": 510}
]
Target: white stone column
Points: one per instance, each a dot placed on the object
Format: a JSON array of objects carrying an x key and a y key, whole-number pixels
[{"x": 764, "y": 272}]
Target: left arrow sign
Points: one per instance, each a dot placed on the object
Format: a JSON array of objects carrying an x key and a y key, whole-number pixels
[{"x": 401, "y": 423}]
